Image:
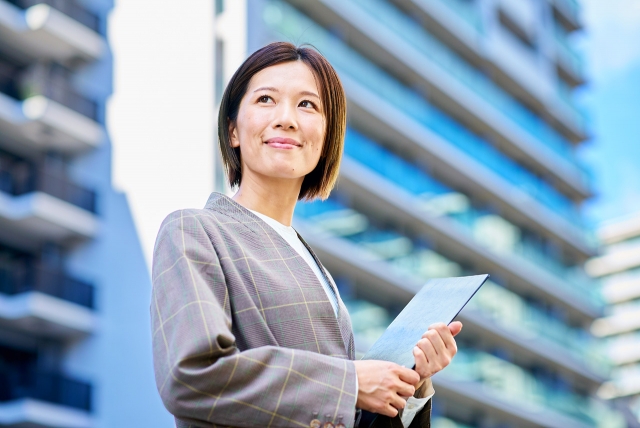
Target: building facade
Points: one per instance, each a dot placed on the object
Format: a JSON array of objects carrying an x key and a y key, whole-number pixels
[
  {"x": 619, "y": 270},
  {"x": 74, "y": 286},
  {"x": 459, "y": 159}
]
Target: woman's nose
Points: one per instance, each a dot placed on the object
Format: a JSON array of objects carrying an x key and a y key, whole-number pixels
[{"x": 286, "y": 117}]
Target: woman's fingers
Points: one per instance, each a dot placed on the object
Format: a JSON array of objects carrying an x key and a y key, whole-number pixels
[
  {"x": 435, "y": 338},
  {"x": 445, "y": 334},
  {"x": 422, "y": 364},
  {"x": 390, "y": 411},
  {"x": 438, "y": 347},
  {"x": 409, "y": 376},
  {"x": 455, "y": 327},
  {"x": 404, "y": 389},
  {"x": 398, "y": 403},
  {"x": 382, "y": 386}
]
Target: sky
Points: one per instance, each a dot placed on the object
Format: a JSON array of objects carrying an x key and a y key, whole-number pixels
[
  {"x": 611, "y": 43},
  {"x": 161, "y": 117}
]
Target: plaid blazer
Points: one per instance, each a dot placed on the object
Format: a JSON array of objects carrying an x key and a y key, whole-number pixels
[{"x": 243, "y": 332}]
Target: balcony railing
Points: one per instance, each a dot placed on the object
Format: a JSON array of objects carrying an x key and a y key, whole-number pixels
[
  {"x": 70, "y": 8},
  {"x": 21, "y": 277},
  {"x": 513, "y": 383},
  {"x": 570, "y": 55},
  {"x": 18, "y": 383},
  {"x": 412, "y": 258},
  {"x": 52, "y": 81},
  {"x": 349, "y": 62},
  {"x": 49, "y": 80},
  {"x": 18, "y": 178},
  {"x": 570, "y": 6}
]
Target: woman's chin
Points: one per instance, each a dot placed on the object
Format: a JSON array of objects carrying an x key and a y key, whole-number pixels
[{"x": 282, "y": 169}]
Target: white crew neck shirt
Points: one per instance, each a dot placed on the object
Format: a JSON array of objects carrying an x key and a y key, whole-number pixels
[{"x": 414, "y": 405}]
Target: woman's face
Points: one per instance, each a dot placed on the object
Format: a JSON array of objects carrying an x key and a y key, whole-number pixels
[{"x": 280, "y": 126}]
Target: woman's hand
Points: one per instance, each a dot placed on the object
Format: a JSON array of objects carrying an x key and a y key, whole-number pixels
[
  {"x": 383, "y": 387},
  {"x": 435, "y": 349}
]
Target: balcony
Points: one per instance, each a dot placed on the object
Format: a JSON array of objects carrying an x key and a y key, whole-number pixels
[
  {"x": 24, "y": 276},
  {"x": 40, "y": 108},
  {"x": 624, "y": 349},
  {"x": 41, "y": 204},
  {"x": 626, "y": 380},
  {"x": 18, "y": 177},
  {"x": 59, "y": 30},
  {"x": 37, "y": 399},
  {"x": 570, "y": 62},
  {"x": 568, "y": 12},
  {"x": 419, "y": 57},
  {"x": 45, "y": 301}
]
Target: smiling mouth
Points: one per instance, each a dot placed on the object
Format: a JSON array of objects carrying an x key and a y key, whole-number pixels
[{"x": 283, "y": 143}]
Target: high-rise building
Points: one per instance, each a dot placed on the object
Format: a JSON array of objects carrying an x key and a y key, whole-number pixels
[
  {"x": 460, "y": 158},
  {"x": 619, "y": 270},
  {"x": 74, "y": 287}
]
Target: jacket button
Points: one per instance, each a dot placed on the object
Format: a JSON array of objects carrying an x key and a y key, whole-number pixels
[
  {"x": 328, "y": 423},
  {"x": 315, "y": 422}
]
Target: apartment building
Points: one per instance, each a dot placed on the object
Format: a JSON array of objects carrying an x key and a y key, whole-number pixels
[
  {"x": 460, "y": 158},
  {"x": 619, "y": 270},
  {"x": 74, "y": 286}
]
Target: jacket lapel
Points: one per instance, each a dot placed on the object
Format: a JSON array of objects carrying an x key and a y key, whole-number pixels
[
  {"x": 222, "y": 203},
  {"x": 344, "y": 321}
]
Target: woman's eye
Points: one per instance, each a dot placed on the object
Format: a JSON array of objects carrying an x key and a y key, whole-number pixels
[
  {"x": 309, "y": 104},
  {"x": 264, "y": 98}
]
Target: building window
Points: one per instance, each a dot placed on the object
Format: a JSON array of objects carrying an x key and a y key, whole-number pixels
[
  {"x": 219, "y": 70},
  {"x": 219, "y": 7}
]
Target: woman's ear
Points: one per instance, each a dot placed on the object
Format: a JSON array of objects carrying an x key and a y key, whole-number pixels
[{"x": 233, "y": 135}]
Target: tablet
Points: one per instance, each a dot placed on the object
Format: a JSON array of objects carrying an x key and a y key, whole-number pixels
[{"x": 439, "y": 300}]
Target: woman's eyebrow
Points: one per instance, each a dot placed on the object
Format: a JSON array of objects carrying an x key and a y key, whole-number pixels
[
  {"x": 267, "y": 88},
  {"x": 313, "y": 94}
]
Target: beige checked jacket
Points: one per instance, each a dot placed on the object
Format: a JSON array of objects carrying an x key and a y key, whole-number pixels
[{"x": 243, "y": 332}]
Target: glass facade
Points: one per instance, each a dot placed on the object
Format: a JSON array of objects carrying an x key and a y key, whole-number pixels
[{"x": 526, "y": 350}]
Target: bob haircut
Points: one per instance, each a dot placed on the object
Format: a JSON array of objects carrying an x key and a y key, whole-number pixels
[{"x": 320, "y": 181}]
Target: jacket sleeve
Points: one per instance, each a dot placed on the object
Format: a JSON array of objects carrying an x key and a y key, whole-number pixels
[{"x": 201, "y": 375}]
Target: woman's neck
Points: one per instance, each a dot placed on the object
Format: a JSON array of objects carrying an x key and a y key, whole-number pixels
[{"x": 273, "y": 198}]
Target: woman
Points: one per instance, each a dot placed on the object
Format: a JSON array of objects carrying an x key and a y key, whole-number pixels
[{"x": 249, "y": 328}]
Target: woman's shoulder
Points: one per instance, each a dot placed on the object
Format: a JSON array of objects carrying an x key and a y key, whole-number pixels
[
  {"x": 214, "y": 209},
  {"x": 221, "y": 215}
]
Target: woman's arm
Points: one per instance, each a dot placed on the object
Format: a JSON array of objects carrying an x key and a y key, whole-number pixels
[{"x": 201, "y": 375}]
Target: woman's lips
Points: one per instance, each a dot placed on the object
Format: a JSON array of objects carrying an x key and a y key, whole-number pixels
[{"x": 283, "y": 143}]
